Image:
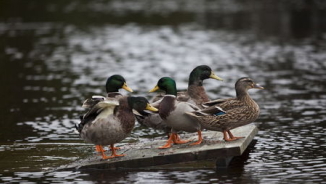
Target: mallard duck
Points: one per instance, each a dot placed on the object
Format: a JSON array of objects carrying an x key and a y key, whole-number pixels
[
  {"x": 173, "y": 113},
  {"x": 239, "y": 111},
  {"x": 112, "y": 86},
  {"x": 195, "y": 94},
  {"x": 109, "y": 122}
]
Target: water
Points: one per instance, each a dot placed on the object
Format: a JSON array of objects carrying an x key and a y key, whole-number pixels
[{"x": 54, "y": 55}]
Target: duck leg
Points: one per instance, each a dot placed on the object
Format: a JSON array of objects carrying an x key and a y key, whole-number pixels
[
  {"x": 233, "y": 137},
  {"x": 225, "y": 136},
  {"x": 228, "y": 136},
  {"x": 116, "y": 148},
  {"x": 98, "y": 148},
  {"x": 101, "y": 150},
  {"x": 200, "y": 139},
  {"x": 114, "y": 153},
  {"x": 177, "y": 140},
  {"x": 168, "y": 142}
]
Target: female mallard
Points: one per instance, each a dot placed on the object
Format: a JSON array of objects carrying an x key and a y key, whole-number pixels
[
  {"x": 195, "y": 94},
  {"x": 173, "y": 113},
  {"x": 112, "y": 86},
  {"x": 109, "y": 122},
  {"x": 239, "y": 111}
]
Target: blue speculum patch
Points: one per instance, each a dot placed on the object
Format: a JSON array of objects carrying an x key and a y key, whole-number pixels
[{"x": 219, "y": 113}]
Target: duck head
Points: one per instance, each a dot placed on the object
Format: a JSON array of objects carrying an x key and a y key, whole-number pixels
[
  {"x": 166, "y": 84},
  {"x": 201, "y": 73},
  {"x": 140, "y": 104},
  {"x": 244, "y": 84},
  {"x": 116, "y": 82}
]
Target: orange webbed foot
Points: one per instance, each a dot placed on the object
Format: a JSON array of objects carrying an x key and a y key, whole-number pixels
[
  {"x": 168, "y": 143},
  {"x": 176, "y": 139},
  {"x": 114, "y": 153},
  {"x": 232, "y": 138},
  {"x": 200, "y": 139}
]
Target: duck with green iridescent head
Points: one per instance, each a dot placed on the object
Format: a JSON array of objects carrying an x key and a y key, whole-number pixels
[
  {"x": 110, "y": 121},
  {"x": 238, "y": 111},
  {"x": 195, "y": 94},
  {"x": 112, "y": 86},
  {"x": 173, "y": 113}
]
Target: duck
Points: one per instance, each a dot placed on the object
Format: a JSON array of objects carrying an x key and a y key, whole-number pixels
[
  {"x": 195, "y": 94},
  {"x": 238, "y": 111},
  {"x": 173, "y": 113},
  {"x": 110, "y": 121},
  {"x": 112, "y": 86}
]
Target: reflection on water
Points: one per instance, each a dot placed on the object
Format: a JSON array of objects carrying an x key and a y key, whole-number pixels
[{"x": 50, "y": 64}]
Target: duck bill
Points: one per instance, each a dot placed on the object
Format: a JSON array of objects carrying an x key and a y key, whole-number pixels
[
  {"x": 151, "y": 108},
  {"x": 258, "y": 86},
  {"x": 154, "y": 89},
  {"x": 213, "y": 76},
  {"x": 125, "y": 87}
]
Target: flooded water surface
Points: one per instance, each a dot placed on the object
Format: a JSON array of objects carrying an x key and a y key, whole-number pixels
[{"x": 55, "y": 55}]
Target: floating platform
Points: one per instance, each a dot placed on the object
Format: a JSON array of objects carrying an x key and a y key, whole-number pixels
[{"x": 146, "y": 154}]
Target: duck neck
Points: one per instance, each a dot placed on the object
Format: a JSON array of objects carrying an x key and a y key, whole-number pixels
[
  {"x": 194, "y": 79},
  {"x": 113, "y": 94},
  {"x": 197, "y": 92},
  {"x": 171, "y": 90},
  {"x": 243, "y": 95},
  {"x": 167, "y": 105},
  {"x": 111, "y": 87}
]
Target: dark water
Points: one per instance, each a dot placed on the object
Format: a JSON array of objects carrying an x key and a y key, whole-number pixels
[{"x": 55, "y": 54}]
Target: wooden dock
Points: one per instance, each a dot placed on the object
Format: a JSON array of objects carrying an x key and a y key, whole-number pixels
[{"x": 146, "y": 154}]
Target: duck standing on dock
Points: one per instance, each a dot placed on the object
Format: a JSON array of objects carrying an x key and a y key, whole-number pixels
[
  {"x": 112, "y": 86},
  {"x": 195, "y": 94},
  {"x": 239, "y": 111},
  {"x": 173, "y": 113},
  {"x": 109, "y": 122}
]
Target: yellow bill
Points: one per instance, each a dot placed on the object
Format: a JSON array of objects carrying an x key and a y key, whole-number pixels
[
  {"x": 126, "y": 87},
  {"x": 154, "y": 89},
  {"x": 213, "y": 76},
  {"x": 151, "y": 108}
]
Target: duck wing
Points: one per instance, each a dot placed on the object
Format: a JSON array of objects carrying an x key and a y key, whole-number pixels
[
  {"x": 95, "y": 112},
  {"x": 89, "y": 103},
  {"x": 225, "y": 104}
]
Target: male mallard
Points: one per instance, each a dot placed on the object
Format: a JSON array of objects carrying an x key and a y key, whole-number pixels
[
  {"x": 195, "y": 94},
  {"x": 112, "y": 86},
  {"x": 239, "y": 111},
  {"x": 173, "y": 113},
  {"x": 109, "y": 122}
]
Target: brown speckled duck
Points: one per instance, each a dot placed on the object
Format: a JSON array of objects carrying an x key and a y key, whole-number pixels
[
  {"x": 195, "y": 94},
  {"x": 109, "y": 122},
  {"x": 238, "y": 111}
]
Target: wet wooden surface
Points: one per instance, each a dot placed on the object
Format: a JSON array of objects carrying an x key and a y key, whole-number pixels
[{"x": 147, "y": 154}]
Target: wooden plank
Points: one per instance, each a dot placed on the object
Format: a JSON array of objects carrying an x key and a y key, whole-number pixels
[{"x": 147, "y": 154}]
